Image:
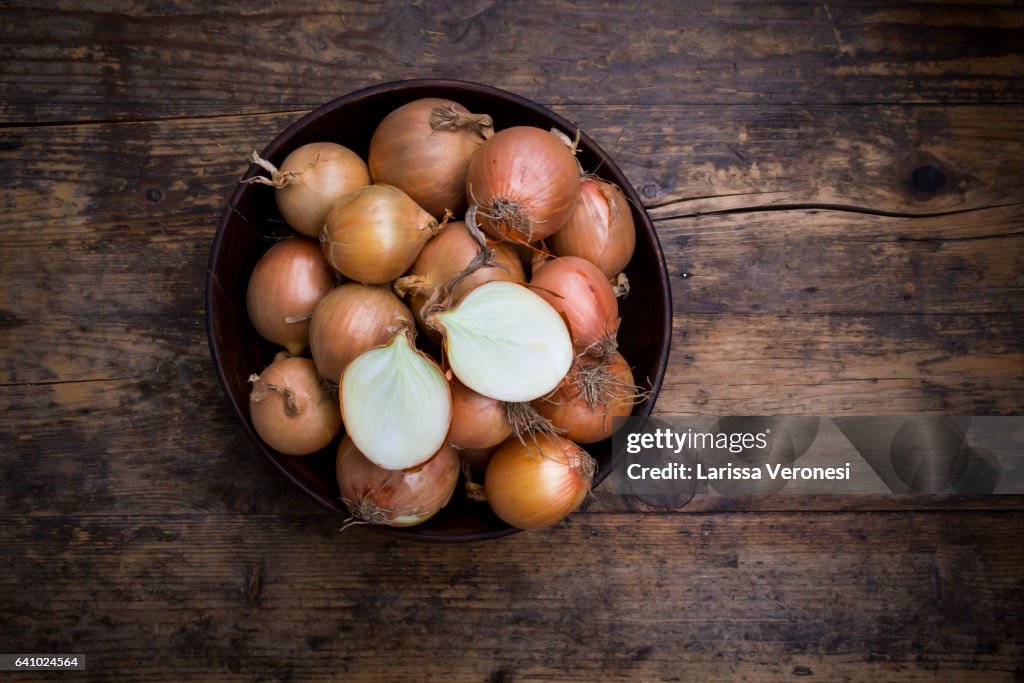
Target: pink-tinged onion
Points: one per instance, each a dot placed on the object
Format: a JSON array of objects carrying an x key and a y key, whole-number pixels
[
  {"x": 351, "y": 319},
  {"x": 477, "y": 421},
  {"x": 290, "y": 408},
  {"x": 374, "y": 234},
  {"x": 525, "y": 182},
  {"x": 446, "y": 255},
  {"x": 311, "y": 179},
  {"x": 536, "y": 483},
  {"x": 595, "y": 391},
  {"x": 580, "y": 291},
  {"x": 424, "y": 148},
  {"x": 284, "y": 288},
  {"x": 600, "y": 230},
  {"x": 397, "y": 498}
]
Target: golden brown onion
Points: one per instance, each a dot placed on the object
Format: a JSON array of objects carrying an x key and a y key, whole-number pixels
[
  {"x": 374, "y": 234},
  {"x": 284, "y": 288},
  {"x": 600, "y": 230},
  {"x": 594, "y": 392},
  {"x": 525, "y": 181},
  {"x": 395, "y": 497},
  {"x": 290, "y": 408},
  {"x": 351, "y": 319},
  {"x": 424, "y": 148},
  {"x": 538, "y": 482},
  {"x": 580, "y": 291},
  {"x": 477, "y": 421}
]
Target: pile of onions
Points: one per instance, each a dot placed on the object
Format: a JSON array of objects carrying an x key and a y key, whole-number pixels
[
  {"x": 424, "y": 148},
  {"x": 396, "y": 404},
  {"x": 450, "y": 252},
  {"x": 290, "y": 408},
  {"x": 525, "y": 183},
  {"x": 509, "y": 376},
  {"x": 600, "y": 230},
  {"x": 374, "y": 234},
  {"x": 311, "y": 179},
  {"x": 537, "y": 482},
  {"x": 594, "y": 392},
  {"x": 351, "y": 319},
  {"x": 395, "y": 497},
  {"x": 286, "y": 285},
  {"x": 580, "y": 291}
]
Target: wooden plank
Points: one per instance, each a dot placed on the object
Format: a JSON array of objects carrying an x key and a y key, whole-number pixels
[
  {"x": 145, "y": 59},
  {"x": 126, "y": 416},
  {"x": 899, "y": 597}
]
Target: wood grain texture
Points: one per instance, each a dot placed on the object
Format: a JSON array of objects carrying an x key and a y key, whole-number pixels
[
  {"x": 141, "y": 59},
  {"x": 612, "y": 597}
]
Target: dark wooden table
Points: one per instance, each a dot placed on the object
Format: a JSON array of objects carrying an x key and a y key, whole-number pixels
[{"x": 839, "y": 189}]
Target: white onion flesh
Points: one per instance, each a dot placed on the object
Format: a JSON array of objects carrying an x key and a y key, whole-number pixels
[
  {"x": 396, "y": 404},
  {"x": 507, "y": 343}
]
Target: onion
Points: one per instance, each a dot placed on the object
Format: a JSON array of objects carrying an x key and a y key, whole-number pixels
[
  {"x": 290, "y": 408},
  {"x": 600, "y": 230},
  {"x": 396, "y": 404},
  {"x": 476, "y": 458},
  {"x": 395, "y": 497},
  {"x": 595, "y": 391},
  {"x": 310, "y": 181},
  {"x": 525, "y": 182},
  {"x": 351, "y": 319},
  {"x": 535, "y": 484},
  {"x": 580, "y": 291},
  {"x": 446, "y": 255},
  {"x": 284, "y": 288},
  {"x": 505, "y": 342},
  {"x": 374, "y": 234},
  {"x": 424, "y": 148},
  {"x": 478, "y": 422}
]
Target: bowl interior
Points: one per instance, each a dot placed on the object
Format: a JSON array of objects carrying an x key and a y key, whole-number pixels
[{"x": 251, "y": 222}]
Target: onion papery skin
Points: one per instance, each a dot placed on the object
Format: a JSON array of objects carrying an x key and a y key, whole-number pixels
[
  {"x": 398, "y": 498},
  {"x": 374, "y": 234},
  {"x": 318, "y": 175},
  {"x": 428, "y": 163},
  {"x": 311, "y": 421},
  {"x": 396, "y": 404},
  {"x": 580, "y": 291},
  {"x": 478, "y": 422},
  {"x": 350, "y": 319},
  {"x": 445, "y": 256},
  {"x": 536, "y": 484},
  {"x": 601, "y": 229},
  {"x": 525, "y": 183},
  {"x": 288, "y": 281},
  {"x": 506, "y": 342},
  {"x": 587, "y": 416}
]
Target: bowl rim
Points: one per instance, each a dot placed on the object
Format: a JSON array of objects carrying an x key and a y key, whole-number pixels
[{"x": 608, "y": 166}]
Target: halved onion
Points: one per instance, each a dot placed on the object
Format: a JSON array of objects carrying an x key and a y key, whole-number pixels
[
  {"x": 595, "y": 391},
  {"x": 290, "y": 408},
  {"x": 579, "y": 290},
  {"x": 505, "y": 342},
  {"x": 373, "y": 235},
  {"x": 424, "y": 148},
  {"x": 525, "y": 182},
  {"x": 351, "y": 319},
  {"x": 395, "y": 497},
  {"x": 538, "y": 482},
  {"x": 284, "y": 288},
  {"x": 446, "y": 255},
  {"x": 311, "y": 179},
  {"x": 396, "y": 404},
  {"x": 601, "y": 228}
]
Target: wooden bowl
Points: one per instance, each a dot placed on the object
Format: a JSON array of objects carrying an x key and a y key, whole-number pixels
[{"x": 251, "y": 219}]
